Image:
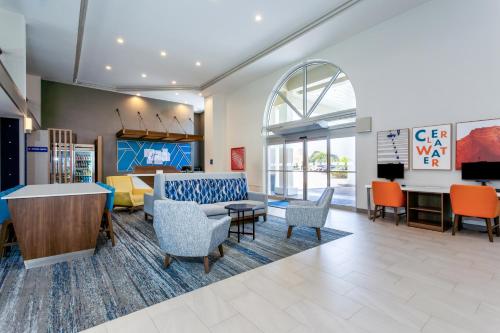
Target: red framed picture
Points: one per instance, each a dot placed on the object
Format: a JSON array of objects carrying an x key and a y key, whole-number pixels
[{"x": 238, "y": 159}]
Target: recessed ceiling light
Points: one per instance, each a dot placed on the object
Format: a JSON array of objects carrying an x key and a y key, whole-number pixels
[
  {"x": 120, "y": 40},
  {"x": 174, "y": 82},
  {"x": 163, "y": 53},
  {"x": 198, "y": 63},
  {"x": 176, "y": 94},
  {"x": 258, "y": 18},
  {"x": 108, "y": 67},
  {"x": 200, "y": 94},
  {"x": 138, "y": 94},
  {"x": 144, "y": 75}
]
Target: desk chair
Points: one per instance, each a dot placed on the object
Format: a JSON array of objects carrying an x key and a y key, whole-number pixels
[
  {"x": 7, "y": 234},
  {"x": 107, "y": 222},
  {"x": 475, "y": 201},
  {"x": 388, "y": 194}
]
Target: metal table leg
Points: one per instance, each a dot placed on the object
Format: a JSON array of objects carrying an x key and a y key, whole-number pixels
[
  {"x": 229, "y": 230},
  {"x": 238, "y": 222},
  {"x": 253, "y": 224}
]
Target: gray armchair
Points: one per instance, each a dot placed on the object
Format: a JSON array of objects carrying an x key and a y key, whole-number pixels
[
  {"x": 184, "y": 230},
  {"x": 309, "y": 213}
]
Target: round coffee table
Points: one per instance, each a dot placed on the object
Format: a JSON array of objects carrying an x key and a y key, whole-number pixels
[{"x": 240, "y": 210}]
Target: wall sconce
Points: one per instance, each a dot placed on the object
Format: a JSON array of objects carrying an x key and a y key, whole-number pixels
[{"x": 28, "y": 125}]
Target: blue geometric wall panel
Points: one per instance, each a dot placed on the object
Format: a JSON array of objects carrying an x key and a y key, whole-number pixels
[{"x": 131, "y": 153}]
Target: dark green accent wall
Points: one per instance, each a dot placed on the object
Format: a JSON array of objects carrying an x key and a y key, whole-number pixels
[{"x": 91, "y": 112}]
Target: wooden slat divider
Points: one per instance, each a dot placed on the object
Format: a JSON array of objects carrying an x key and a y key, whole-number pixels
[{"x": 61, "y": 152}]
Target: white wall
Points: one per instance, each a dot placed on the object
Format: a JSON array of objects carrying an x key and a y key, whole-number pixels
[
  {"x": 437, "y": 63},
  {"x": 13, "y": 44},
  {"x": 215, "y": 134},
  {"x": 34, "y": 96}
]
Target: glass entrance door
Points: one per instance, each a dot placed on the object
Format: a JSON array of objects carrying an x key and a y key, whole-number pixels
[
  {"x": 317, "y": 168},
  {"x": 294, "y": 169},
  {"x": 302, "y": 169}
]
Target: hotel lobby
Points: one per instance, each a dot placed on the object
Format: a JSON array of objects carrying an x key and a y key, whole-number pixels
[{"x": 249, "y": 166}]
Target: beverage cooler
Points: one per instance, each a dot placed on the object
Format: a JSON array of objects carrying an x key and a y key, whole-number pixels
[{"x": 83, "y": 163}]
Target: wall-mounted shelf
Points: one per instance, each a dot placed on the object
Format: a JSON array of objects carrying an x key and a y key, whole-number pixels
[{"x": 157, "y": 136}]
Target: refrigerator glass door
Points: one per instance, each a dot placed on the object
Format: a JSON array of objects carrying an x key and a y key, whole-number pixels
[{"x": 84, "y": 164}]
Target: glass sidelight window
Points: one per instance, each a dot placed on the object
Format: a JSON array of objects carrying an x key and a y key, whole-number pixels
[{"x": 343, "y": 170}]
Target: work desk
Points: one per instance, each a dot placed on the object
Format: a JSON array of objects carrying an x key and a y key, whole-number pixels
[
  {"x": 427, "y": 207},
  {"x": 56, "y": 222}
]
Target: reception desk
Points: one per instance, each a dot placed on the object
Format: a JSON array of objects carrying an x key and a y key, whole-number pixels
[{"x": 56, "y": 222}]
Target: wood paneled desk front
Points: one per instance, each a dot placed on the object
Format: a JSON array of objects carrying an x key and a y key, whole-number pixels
[
  {"x": 56, "y": 222},
  {"x": 427, "y": 207}
]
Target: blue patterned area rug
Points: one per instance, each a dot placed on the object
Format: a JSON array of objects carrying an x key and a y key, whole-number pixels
[{"x": 72, "y": 296}]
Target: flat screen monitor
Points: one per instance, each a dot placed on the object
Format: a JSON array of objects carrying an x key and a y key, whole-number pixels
[
  {"x": 391, "y": 171},
  {"x": 481, "y": 171}
]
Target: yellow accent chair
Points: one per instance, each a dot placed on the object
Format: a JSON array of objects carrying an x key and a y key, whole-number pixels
[{"x": 126, "y": 195}]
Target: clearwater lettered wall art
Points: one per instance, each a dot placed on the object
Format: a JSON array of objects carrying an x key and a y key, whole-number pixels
[{"x": 431, "y": 147}]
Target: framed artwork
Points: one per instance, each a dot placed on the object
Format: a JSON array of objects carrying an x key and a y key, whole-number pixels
[
  {"x": 431, "y": 147},
  {"x": 238, "y": 159},
  {"x": 478, "y": 141},
  {"x": 393, "y": 147}
]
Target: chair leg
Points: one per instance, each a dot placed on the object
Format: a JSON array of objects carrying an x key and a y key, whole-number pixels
[
  {"x": 146, "y": 216},
  {"x": 375, "y": 213},
  {"x": 455, "y": 224},
  {"x": 221, "y": 250},
  {"x": 396, "y": 215},
  {"x": 111, "y": 233},
  {"x": 490, "y": 231},
  {"x": 3, "y": 238},
  {"x": 318, "y": 233},
  {"x": 383, "y": 212},
  {"x": 265, "y": 217},
  {"x": 497, "y": 226},
  {"x": 166, "y": 261},
  {"x": 289, "y": 233},
  {"x": 206, "y": 264}
]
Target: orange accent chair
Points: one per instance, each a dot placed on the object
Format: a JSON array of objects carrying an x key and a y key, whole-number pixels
[
  {"x": 388, "y": 194},
  {"x": 475, "y": 201}
]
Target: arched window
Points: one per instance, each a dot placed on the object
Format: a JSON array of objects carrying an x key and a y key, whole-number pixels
[
  {"x": 309, "y": 128},
  {"x": 312, "y": 89}
]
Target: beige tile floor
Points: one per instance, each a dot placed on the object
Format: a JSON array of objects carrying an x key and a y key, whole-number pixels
[{"x": 382, "y": 278}]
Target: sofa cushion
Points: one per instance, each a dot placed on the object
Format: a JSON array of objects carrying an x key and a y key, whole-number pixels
[
  {"x": 213, "y": 209},
  {"x": 188, "y": 190},
  {"x": 206, "y": 191},
  {"x": 228, "y": 189}
]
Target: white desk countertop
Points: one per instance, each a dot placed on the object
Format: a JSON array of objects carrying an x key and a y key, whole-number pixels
[{"x": 55, "y": 190}]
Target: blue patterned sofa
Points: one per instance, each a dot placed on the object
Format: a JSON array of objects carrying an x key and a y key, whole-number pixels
[{"x": 212, "y": 191}]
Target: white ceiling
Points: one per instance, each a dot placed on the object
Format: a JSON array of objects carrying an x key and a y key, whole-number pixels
[{"x": 219, "y": 33}]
